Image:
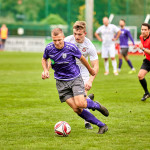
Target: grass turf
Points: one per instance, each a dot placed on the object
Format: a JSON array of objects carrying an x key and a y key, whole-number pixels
[{"x": 30, "y": 107}]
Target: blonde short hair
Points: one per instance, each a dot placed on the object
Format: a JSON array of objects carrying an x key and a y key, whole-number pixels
[
  {"x": 56, "y": 31},
  {"x": 80, "y": 25}
]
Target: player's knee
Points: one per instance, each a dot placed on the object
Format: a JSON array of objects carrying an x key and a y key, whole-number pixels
[
  {"x": 81, "y": 104},
  {"x": 76, "y": 110},
  {"x": 120, "y": 57},
  {"x": 78, "y": 104},
  {"x": 113, "y": 58},
  {"x": 140, "y": 76},
  {"x": 126, "y": 58}
]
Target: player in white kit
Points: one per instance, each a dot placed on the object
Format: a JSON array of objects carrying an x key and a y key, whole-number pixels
[
  {"x": 107, "y": 32},
  {"x": 88, "y": 50}
]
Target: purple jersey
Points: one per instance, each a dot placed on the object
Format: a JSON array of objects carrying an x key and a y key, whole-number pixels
[
  {"x": 63, "y": 60},
  {"x": 125, "y": 34}
]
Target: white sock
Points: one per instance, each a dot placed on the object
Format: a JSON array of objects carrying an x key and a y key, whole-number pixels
[
  {"x": 114, "y": 64},
  {"x": 106, "y": 65}
]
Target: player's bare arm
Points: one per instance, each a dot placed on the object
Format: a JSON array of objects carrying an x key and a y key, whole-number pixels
[
  {"x": 98, "y": 37},
  {"x": 141, "y": 46},
  {"x": 86, "y": 64},
  {"x": 49, "y": 64},
  {"x": 146, "y": 50},
  {"x": 45, "y": 74},
  {"x": 95, "y": 66},
  {"x": 117, "y": 36}
]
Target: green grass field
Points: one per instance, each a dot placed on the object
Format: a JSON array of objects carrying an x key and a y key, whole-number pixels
[{"x": 30, "y": 107}]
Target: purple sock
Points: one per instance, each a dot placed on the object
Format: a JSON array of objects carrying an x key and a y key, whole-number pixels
[
  {"x": 91, "y": 118},
  {"x": 130, "y": 64},
  {"x": 120, "y": 63},
  {"x": 92, "y": 105}
]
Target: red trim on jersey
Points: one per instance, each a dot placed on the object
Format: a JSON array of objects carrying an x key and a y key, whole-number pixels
[{"x": 146, "y": 44}]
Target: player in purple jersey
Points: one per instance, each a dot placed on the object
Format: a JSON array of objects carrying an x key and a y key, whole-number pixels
[
  {"x": 69, "y": 83},
  {"x": 125, "y": 34}
]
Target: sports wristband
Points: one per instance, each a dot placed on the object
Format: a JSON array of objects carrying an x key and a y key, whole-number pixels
[{"x": 143, "y": 49}]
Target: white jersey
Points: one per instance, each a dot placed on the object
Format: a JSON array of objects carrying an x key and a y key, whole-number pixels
[
  {"x": 107, "y": 34},
  {"x": 87, "y": 49}
]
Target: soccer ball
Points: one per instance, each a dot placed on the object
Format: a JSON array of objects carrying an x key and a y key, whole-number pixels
[{"x": 62, "y": 128}]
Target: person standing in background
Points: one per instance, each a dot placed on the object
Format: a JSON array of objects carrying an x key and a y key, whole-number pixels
[
  {"x": 3, "y": 35},
  {"x": 125, "y": 34},
  {"x": 106, "y": 34}
]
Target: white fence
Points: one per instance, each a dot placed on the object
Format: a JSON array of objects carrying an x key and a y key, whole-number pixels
[{"x": 25, "y": 44}]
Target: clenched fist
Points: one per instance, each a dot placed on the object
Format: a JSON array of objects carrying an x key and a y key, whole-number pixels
[{"x": 45, "y": 75}]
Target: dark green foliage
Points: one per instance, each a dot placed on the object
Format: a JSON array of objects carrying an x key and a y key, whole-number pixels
[{"x": 53, "y": 19}]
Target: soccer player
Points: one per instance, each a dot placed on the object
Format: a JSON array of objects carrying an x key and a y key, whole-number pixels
[
  {"x": 69, "y": 83},
  {"x": 107, "y": 32},
  {"x": 88, "y": 50},
  {"x": 145, "y": 68},
  {"x": 125, "y": 34}
]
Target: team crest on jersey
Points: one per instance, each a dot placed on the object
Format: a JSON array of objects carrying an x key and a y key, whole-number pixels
[
  {"x": 122, "y": 32},
  {"x": 84, "y": 49},
  {"x": 64, "y": 55}
]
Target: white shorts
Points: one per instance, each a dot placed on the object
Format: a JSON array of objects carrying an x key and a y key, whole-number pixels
[
  {"x": 85, "y": 79},
  {"x": 108, "y": 51}
]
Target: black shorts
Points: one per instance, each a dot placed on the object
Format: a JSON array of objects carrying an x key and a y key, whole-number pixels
[
  {"x": 68, "y": 89},
  {"x": 3, "y": 40},
  {"x": 146, "y": 65},
  {"x": 124, "y": 51}
]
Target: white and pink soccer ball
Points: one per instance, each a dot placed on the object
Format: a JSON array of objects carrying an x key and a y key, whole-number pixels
[{"x": 62, "y": 128}]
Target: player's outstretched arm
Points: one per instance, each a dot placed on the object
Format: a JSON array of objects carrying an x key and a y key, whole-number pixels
[
  {"x": 45, "y": 73},
  {"x": 86, "y": 64}
]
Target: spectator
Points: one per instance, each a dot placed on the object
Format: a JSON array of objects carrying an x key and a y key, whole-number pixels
[{"x": 3, "y": 35}]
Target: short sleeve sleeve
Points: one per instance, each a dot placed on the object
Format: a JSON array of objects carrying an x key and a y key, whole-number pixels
[
  {"x": 98, "y": 31},
  {"x": 93, "y": 53},
  {"x": 45, "y": 55},
  {"x": 116, "y": 29},
  {"x": 67, "y": 39},
  {"x": 140, "y": 37},
  {"x": 76, "y": 52}
]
